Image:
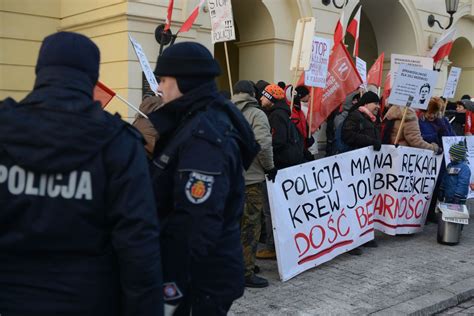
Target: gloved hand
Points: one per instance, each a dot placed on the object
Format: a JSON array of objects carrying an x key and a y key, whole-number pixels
[
  {"x": 378, "y": 145},
  {"x": 310, "y": 141},
  {"x": 397, "y": 145},
  {"x": 439, "y": 151},
  {"x": 271, "y": 174}
]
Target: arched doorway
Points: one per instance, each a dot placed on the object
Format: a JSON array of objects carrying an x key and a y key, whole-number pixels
[{"x": 462, "y": 56}]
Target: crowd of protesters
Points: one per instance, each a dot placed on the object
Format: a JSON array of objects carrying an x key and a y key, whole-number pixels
[{"x": 100, "y": 218}]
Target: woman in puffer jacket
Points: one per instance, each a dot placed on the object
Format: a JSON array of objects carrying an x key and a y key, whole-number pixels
[
  {"x": 432, "y": 125},
  {"x": 410, "y": 135}
]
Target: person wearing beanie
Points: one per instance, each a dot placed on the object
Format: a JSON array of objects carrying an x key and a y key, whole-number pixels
[
  {"x": 80, "y": 234},
  {"x": 259, "y": 87},
  {"x": 288, "y": 148},
  {"x": 299, "y": 118},
  {"x": 454, "y": 186},
  {"x": 205, "y": 144},
  {"x": 255, "y": 190}
]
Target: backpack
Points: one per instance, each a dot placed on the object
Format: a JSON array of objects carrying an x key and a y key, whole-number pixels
[
  {"x": 293, "y": 153},
  {"x": 341, "y": 146},
  {"x": 387, "y": 129}
]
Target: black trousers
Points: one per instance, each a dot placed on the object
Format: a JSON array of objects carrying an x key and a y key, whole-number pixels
[{"x": 203, "y": 305}]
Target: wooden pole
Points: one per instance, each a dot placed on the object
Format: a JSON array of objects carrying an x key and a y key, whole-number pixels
[
  {"x": 228, "y": 69},
  {"x": 410, "y": 99},
  {"x": 310, "y": 110},
  {"x": 295, "y": 78}
]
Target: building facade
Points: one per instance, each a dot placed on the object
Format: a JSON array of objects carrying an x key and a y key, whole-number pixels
[{"x": 262, "y": 50}]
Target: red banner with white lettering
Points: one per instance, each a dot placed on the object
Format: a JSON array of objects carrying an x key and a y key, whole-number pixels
[{"x": 342, "y": 79}]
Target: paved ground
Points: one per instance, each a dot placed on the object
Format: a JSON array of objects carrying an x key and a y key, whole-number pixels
[
  {"x": 464, "y": 308},
  {"x": 404, "y": 275}
]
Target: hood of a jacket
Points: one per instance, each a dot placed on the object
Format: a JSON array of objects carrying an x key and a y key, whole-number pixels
[
  {"x": 244, "y": 100},
  {"x": 347, "y": 104},
  {"x": 396, "y": 113},
  {"x": 167, "y": 119},
  {"x": 58, "y": 126}
]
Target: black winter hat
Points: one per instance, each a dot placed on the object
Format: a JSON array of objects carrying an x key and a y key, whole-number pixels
[
  {"x": 466, "y": 97},
  {"x": 73, "y": 50},
  {"x": 244, "y": 86},
  {"x": 190, "y": 63},
  {"x": 301, "y": 92},
  {"x": 367, "y": 98}
]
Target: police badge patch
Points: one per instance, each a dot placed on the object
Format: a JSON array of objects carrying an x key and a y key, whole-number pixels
[{"x": 199, "y": 187}]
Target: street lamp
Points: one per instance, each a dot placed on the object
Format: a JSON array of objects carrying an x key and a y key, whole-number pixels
[
  {"x": 451, "y": 8},
  {"x": 327, "y": 2}
]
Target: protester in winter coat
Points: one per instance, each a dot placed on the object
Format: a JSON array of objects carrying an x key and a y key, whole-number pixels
[
  {"x": 455, "y": 183},
  {"x": 149, "y": 105},
  {"x": 205, "y": 144},
  {"x": 351, "y": 100},
  {"x": 288, "y": 144},
  {"x": 432, "y": 126},
  {"x": 359, "y": 128},
  {"x": 410, "y": 135},
  {"x": 299, "y": 118},
  {"x": 255, "y": 190},
  {"x": 79, "y": 233}
]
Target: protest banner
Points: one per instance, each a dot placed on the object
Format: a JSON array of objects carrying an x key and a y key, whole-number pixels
[
  {"x": 222, "y": 21},
  {"x": 150, "y": 76},
  {"x": 329, "y": 206},
  {"x": 361, "y": 66},
  {"x": 414, "y": 61},
  {"x": 314, "y": 207},
  {"x": 452, "y": 82},
  {"x": 403, "y": 184},
  {"x": 416, "y": 82},
  {"x": 316, "y": 75},
  {"x": 469, "y": 141}
]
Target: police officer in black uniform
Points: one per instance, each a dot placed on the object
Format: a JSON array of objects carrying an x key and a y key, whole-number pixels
[
  {"x": 78, "y": 227},
  {"x": 204, "y": 145}
]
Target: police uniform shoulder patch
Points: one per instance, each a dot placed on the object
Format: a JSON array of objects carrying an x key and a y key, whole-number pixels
[
  {"x": 199, "y": 187},
  {"x": 171, "y": 291}
]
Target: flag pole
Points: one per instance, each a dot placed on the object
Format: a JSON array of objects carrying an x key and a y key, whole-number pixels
[
  {"x": 131, "y": 105},
  {"x": 410, "y": 99},
  {"x": 310, "y": 110},
  {"x": 228, "y": 69},
  {"x": 295, "y": 77}
]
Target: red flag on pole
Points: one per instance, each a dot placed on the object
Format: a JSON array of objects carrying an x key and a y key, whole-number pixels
[
  {"x": 443, "y": 46},
  {"x": 353, "y": 29},
  {"x": 189, "y": 22},
  {"x": 103, "y": 94},
  {"x": 168, "y": 16},
  {"x": 387, "y": 88},
  {"x": 342, "y": 79},
  {"x": 374, "y": 76},
  {"x": 339, "y": 30}
]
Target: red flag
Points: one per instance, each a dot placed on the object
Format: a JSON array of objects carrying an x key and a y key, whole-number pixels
[
  {"x": 339, "y": 30},
  {"x": 341, "y": 80},
  {"x": 443, "y": 46},
  {"x": 189, "y": 22},
  {"x": 168, "y": 16},
  {"x": 103, "y": 94},
  {"x": 374, "y": 76},
  {"x": 353, "y": 29},
  {"x": 387, "y": 88}
]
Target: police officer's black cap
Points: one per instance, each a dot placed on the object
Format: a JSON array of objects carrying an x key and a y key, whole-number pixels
[{"x": 187, "y": 59}]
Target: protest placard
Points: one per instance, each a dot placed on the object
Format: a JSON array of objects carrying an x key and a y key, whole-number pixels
[
  {"x": 317, "y": 73},
  {"x": 469, "y": 141},
  {"x": 222, "y": 21},
  {"x": 303, "y": 44},
  {"x": 314, "y": 207},
  {"x": 150, "y": 76},
  {"x": 327, "y": 207},
  {"x": 361, "y": 66},
  {"x": 416, "y": 82},
  {"x": 452, "y": 82},
  {"x": 413, "y": 61},
  {"x": 403, "y": 186}
]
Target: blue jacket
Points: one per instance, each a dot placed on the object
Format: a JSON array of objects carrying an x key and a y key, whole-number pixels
[
  {"x": 197, "y": 169},
  {"x": 455, "y": 184},
  {"x": 433, "y": 131},
  {"x": 78, "y": 228}
]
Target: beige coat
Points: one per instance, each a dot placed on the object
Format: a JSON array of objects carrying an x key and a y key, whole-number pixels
[
  {"x": 410, "y": 135},
  {"x": 149, "y": 105}
]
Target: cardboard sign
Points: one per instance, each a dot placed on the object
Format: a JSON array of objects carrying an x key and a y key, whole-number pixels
[
  {"x": 316, "y": 212},
  {"x": 453, "y": 213},
  {"x": 318, "y": 71},
  {"x": 222, "y": 21},
  {"x": 452, "y": 82},
  {"x": 414, "y": 61},
  {"x": 469, "y": 141},
  {"x": 416, "y": 82},
  {"x": 302, "y": 45},
  {"x": 150, "y": 76},
  {"x": 361, "y": 66},
  {"x": 403, "y": 184}
]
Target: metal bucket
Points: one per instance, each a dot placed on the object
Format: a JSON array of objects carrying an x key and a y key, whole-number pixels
[{"x": 448, "y": 233}]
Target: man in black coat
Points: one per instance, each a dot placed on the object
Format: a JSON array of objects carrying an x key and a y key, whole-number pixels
[
  {"x": 78, "y": 227},
  {"x": 204, "y": 146}
]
